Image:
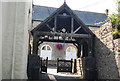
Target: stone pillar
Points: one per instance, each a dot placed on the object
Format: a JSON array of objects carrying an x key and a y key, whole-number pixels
[
  {"x": 79, "y": 67},
  {"x": 16, "y": 23}
]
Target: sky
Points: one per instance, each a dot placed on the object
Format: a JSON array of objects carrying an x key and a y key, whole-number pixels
[{"x": 82, "y": 5}]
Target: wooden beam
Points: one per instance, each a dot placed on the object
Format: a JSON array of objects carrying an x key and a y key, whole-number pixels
[
  {"x": 49, "y": 27},
  {"x": 72, "y": 25},
  {"x": 77, "y": 29},
  {"x": 65, "y": 34},
  {"x": 55, "y": 40},
  {"x": 55, "y": 24},
  {"x": 35, "y": 43},
  {"x": 40, "y": 43},
  {"x": 76, "y": 45}
]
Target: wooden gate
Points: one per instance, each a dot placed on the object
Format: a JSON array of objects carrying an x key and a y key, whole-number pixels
[
  {"x": 64, "y": 65},
  {"x": 44, "y": 64}
]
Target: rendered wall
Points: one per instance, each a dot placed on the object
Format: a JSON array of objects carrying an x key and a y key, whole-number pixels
[
  {"x": 16, "y": 17},
  {"x": 0, "y": 41}
]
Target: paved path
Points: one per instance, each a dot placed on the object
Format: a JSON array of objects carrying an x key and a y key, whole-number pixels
[{"x": 53, "y": 75}]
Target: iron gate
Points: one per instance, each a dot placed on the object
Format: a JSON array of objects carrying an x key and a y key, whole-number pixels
[
  {"x": 64, "y": 65},
  {"x": 44, "y": 64}
]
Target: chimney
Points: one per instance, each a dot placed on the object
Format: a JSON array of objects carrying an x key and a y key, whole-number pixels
[{"x": 107, "y": 11}]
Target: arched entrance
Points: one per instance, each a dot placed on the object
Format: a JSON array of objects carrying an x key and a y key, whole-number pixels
[
  {"x": 71, "y": 53},
  {"x": 46, "y": 51},
  {"x": 63, "y": 26}
]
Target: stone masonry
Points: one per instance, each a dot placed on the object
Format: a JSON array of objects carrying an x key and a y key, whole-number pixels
[
  {"x": 79, "y": 67},
  {"x": 107, "y": 53}
]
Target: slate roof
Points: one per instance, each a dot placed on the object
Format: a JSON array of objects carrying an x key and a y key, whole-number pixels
[{"x": 40, "y": 13}]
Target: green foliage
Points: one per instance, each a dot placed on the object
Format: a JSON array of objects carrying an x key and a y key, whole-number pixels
[
  {"x": 114, "y": 19},
  {"x": 118, "y": 9},
  {"x": 116, "y": 31},
  {"x": 118, "y": 1}
]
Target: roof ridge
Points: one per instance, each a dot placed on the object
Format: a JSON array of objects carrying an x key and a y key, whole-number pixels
[
  {"x": 73, "y": 10},
  {"x": 44, "y": 6},
  {"x": 89, "y": 12}
]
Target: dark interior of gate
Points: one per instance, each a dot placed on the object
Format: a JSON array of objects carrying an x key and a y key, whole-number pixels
[{"x": 63, "y": 26}]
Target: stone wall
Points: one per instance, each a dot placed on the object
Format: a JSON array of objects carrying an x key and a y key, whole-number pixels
[
  {"x": 107, "y": 53},
  {"x": 79, "y": 67}
]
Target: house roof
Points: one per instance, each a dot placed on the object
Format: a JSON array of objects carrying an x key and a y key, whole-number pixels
[{"x": 40, "y": 13}]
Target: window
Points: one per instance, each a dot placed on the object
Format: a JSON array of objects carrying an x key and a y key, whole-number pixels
[
  {"x": 46, "y": 51},
  {"x": 71, "y": 53},
  {"x": 71, "y": 49},
  {"x": 46, "y": 47}
]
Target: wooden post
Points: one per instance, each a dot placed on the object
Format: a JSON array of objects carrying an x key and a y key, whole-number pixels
[
  {"x": 79, "y": 51},
  {"x": 90, "y": 46},
  {"x": 35, "y": 43},
  {"x": 57, "y": 64},
  {"x": 71, "y": 64},
  {"x": 49, "y": 27},
  {"x": 72, "y": 25},
  {"x": 29, "y": 50},
  {"x": 46, "y": 64},
  {"x": 46, "y": 61},
  {"x": 75, "y": 70}
]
